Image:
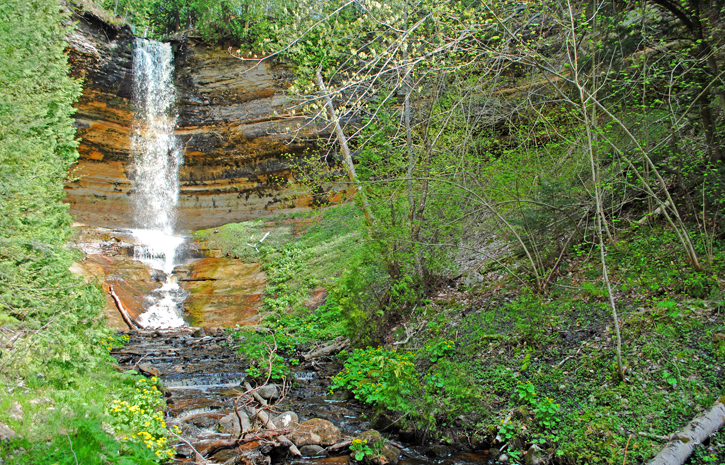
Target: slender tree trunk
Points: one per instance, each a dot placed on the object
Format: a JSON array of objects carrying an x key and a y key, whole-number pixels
[
  {"x": 346, "y": 156},
  {"x": 593, "y": 163},
  {"x": 414, "y": 229}
]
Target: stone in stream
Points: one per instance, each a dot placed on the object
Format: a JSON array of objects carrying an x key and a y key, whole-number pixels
[
  {"x": 148, "y": 369},
  {"x": 270, "y": 391},
  {"x": 250, "y": 457},
  {"x": 230, "y": 423},
  {"x": 438, "y": 450},
  {"x": 315, "y": 432},
  {"x": 302, "y": 438},
  {"x": 285, "y": 419},
  {"x": 388, "y": 455},
  {"x": 312, "y": 451}
]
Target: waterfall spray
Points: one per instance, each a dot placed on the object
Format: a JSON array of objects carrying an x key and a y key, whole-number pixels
[{"x": 157, "y": 158}]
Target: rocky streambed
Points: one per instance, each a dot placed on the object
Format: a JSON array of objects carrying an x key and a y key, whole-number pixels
[{"x": 301, "y": 424}]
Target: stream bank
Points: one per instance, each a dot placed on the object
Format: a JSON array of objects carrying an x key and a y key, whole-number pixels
[{"x": 203, "y": 377}]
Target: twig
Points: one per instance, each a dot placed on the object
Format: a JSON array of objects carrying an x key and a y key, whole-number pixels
[
  {"x": 197, "y": 457},
  {"x": 139, "y": 361},
  {"x": 571, "y": 356},
  {"x": 71, "y": 448},
  {"x": 409, "y": 333},
  {"x": 624, "y": 461}
]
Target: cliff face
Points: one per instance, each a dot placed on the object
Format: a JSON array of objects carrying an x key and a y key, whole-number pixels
[{"x": 237, "y": 152}]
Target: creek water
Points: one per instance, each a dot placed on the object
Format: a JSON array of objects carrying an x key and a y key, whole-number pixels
[{"x": 203, "y": 376}]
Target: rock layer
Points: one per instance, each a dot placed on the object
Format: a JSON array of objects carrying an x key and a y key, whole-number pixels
[
  {"x": 224, "y": 291},
  {"x": 238, "y": 153}
]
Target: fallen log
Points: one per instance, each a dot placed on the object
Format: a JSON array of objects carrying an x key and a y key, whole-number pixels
[
  {"x": 126, "y": 317},
  {"x": 334, "y": 347},
  {"x": 680, "y": 447},
  {"x": 223, "y": 444},
  {"x": 658, "y": 211}
]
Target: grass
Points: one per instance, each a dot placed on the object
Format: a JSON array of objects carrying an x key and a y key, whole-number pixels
[
  {"x": 61, "y": 421},
  {"x": 301, "y": 253}
]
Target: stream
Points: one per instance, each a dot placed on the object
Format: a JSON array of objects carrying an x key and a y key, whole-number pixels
[{"x": 203, "y": 377}]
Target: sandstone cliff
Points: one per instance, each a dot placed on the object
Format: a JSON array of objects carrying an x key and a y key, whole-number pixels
[{"x": 235, "y": 167}]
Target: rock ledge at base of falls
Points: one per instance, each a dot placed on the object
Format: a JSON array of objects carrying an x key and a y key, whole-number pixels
[{"x": 237, "y": 152}]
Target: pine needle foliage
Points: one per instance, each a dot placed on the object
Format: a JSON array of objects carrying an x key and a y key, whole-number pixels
[{"x": 45, "y": 311}]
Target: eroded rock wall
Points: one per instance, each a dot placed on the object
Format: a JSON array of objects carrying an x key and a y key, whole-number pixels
[{"x": 237, "y": 151}]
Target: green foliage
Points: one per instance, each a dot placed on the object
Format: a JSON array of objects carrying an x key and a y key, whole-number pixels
[
  {"x": 544, "y": 409},
  {"x": 649, "y": 260},
  {"x": 361, "y": 449},
  {"x": 88, "y": 443},
  {"x": 440, "y": 350},
  {"x": 260, "y": 348},
  {"x": 139, "y": 417},
  {"x": 37, "y": 147},
  {"x": 382, "y": 377},
  {"x": 247, "y": 22}
]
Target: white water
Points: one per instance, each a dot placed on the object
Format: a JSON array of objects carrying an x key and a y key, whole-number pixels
[{"x": 157, "y": 158}]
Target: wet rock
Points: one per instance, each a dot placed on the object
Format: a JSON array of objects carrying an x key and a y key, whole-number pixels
[
  {"x": 312, "y": 451},
  {"x": 6, "y": 432},
  {"x": 199, "y": 332},
  {"x": 250, "y": 457},
  {"x": 503, "y": 458},
  {"x": 270, "y": 391},
  {"x": 285, "y": 419},
  {"x": 228, "y": 128},
  {"x": 438, "y": 450},
  {"x": 16, "y": 412},
  {"x": 329, "y": 434},
  {"x": 223, "y": 291},
  {"x": 230, "y": 423},
  {"x": 302, "y": 438},
  {"x": 204, "y": 421},
  {"x": 148, "y": 369},
  {"x": 387, "y": 453}
]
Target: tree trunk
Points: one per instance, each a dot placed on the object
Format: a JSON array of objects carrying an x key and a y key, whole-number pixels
[
  {"x": 346, "y": 156},
  {"x": 680, "y": 447}
]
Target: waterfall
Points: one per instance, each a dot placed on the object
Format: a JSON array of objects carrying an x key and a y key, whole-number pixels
[{"x": 157, "y": 157}]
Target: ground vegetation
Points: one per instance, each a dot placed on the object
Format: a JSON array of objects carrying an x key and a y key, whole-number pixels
[{"x": 59, "y": 393}]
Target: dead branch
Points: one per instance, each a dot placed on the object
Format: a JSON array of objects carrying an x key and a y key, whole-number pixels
[
  {"x": 197, "y": 456},
  {"x": 131, "y": 323},
  {"x": 409, "y": 333},
  {"x": 223, "y": 444},
  {"x": 333, "y": 347}
]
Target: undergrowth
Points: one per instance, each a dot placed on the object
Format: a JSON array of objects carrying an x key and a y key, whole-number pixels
[{"x": 496, "y": 360}]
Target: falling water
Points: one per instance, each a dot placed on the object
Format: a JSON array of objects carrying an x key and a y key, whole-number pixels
[{"x": 157, "y": 158}]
